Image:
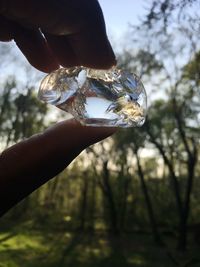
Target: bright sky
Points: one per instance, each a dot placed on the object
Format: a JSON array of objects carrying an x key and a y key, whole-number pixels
[{"x": 119, "y": 14}]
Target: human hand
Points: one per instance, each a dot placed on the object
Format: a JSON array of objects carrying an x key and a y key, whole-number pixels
[
  {"x": 51, "y": 34},
  {"x": 27, "y": 165},
  {"x": 57, "y": 32}
]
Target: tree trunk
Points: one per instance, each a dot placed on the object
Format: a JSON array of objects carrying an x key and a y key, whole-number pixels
[
  {"x": 124, "y": 203},
  {"x": 83, "y": 205},
  {"x": 191, "y": 163},
  {"x": 109, "y": 196},
  {"x": 92, "y": 206},
  {"x": 148, "y": 202},
  {"x": 182, "y": 241}
]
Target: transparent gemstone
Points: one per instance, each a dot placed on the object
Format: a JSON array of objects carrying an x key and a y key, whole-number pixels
[{"x": 114, "y": 98}]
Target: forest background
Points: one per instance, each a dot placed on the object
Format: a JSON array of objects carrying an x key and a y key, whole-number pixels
[{"x": 133, "y": 199}]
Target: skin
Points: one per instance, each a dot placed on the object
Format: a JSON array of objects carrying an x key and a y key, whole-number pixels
[
  {"x": 51, "y": 33},
  {"x": 57, "y": 32}
]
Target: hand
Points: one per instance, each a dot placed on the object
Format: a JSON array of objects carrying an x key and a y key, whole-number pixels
[
  {"x": 51, "y": 33},
  {"x": 29, "y": 164},
  {"x": 57, "y": 32}
]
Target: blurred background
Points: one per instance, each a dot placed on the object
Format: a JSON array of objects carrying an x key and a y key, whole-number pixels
[{"x": 133, "y": 199}]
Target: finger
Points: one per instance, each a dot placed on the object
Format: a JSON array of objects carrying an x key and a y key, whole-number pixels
[
  {"x": 92, "y": 49},
  {"x": 82, "y": 20},
  {"x": 35, "y": 48},
  {"x": 6, "y": 32},
  {"x": 78, "y": 49},
  {"x": 31, "y": 43},
  {"x": 58, "y": 17},
  {"x": 62, "y": 50},
  {"x": 27, "y": 165}
]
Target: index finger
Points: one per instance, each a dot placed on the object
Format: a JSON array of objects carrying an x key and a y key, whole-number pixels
[{"x": 77, "y": 25}]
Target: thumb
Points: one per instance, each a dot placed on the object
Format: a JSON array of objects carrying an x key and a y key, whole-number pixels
[
  {"x": 59, "y": 17},
  {"x": 27, "y": 165}
]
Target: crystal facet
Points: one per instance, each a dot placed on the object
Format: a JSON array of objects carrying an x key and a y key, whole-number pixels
[{"x": 114, "y": 97}]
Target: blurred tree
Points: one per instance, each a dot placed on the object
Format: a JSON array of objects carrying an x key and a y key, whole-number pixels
[
  {"x": 133, "y": 140},
  {"x": 21, "y": 115},
  {"x": 166, "y": 130},
  {"x": 169, "y": 33},
  {"x": 104, "y": 180}
]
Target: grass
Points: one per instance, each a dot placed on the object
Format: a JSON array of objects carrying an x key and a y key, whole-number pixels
[{"x": 29, "y": 246}]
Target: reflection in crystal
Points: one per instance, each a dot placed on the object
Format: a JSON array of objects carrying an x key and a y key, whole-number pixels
[{"x": 97, "y": 97}]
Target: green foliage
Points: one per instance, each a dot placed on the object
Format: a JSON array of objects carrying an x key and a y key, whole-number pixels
[
  {"x": 21, "y": 115},
  {"x": 121, "y": 189},
  {"x": 192, "y": 70},
  {"x": 166, "y": 12},
  {"x": 141, "y": 61},
  {"x": 52, "y": 247}
]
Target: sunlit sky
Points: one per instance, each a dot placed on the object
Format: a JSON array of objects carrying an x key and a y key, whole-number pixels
[{"x": 119, "y": 14}]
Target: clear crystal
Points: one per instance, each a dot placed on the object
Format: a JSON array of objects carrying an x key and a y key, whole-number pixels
[{"x": 114, "y": 98}]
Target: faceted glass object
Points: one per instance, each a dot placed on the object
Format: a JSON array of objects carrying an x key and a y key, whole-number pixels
[{"x": 113, "y": 98}]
